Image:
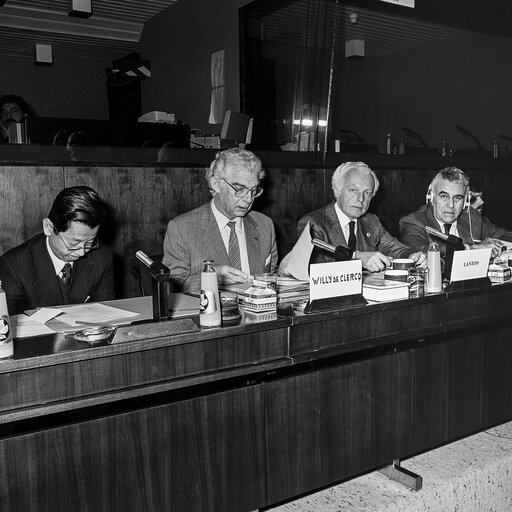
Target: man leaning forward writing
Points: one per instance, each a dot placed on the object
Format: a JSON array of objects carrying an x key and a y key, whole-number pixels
[{"x": 241, "y": 242}]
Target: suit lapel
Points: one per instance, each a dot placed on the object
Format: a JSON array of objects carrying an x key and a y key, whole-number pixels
[
  {"x": 334, "y": 227},
  {"x": 252, "y": 239},
  {"x": 211, "y": 235},
  {"x": 45, "y": 279},
  {"x": 81, "y": 280}
]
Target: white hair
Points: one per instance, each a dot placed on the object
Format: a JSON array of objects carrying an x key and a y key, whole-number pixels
[{"x": 338, "y": 178}]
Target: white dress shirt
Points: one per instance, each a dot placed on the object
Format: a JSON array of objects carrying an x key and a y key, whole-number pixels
[
  {"x": 58, "y": 264},
  {"x": 225, "y": 230}
]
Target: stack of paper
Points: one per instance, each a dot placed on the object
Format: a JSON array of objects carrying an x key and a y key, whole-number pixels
[{"x": 378, "y": 289}]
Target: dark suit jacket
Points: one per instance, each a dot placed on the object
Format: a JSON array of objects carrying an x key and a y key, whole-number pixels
[
  {"x": 471, "y": 226},
  {"x": 194, "y": 237},
  {"x": 371, "y": 235},
  {"x": 29, "y": 280}
]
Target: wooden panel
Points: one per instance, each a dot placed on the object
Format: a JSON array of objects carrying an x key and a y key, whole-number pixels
[
  {"x": 326, "y": 425},
  {"x": 89, "y": 377},
  {"x": 366, "y": 326},
  {"x": 204, "y": 454},
  {"x": 289, "y": 194},
  {"x": 26, "y": 195},
  {"x": 497, "y": 377},
  {"x": 464, "y": 400},
  {"x": 429, "y": 389}
]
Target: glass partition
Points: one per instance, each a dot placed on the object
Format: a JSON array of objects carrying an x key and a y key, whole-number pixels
[{"x": 325, "y": 75}]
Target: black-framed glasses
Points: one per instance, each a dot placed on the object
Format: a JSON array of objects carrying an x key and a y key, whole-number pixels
[
  {"x": 88, "y": 245},
  {"x": 241, "y": 191}
]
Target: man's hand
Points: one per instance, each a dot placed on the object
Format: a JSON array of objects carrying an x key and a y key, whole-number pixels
[
  {"x": 420, "y": 259},
  {"x": 230, "y": 275},
  {"x": 373, "y": 261},
  {"x": 493, "y": 243}
]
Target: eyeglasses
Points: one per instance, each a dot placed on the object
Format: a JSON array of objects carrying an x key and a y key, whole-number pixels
[
  {"x": 89, "y": 245},
  {"x": 241, "y": 191}
]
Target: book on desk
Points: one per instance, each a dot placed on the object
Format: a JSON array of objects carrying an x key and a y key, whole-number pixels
[{"x": 378, "y": 289}]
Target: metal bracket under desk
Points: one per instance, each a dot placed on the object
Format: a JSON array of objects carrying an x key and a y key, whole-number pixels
[{"x": 402, "y": 475}]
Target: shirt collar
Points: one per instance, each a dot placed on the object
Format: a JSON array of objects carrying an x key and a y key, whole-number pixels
[
  {"x": 221, "y": 219},
  {"x": 344, "y": 219},
  {"x": 58, "y": 264}
]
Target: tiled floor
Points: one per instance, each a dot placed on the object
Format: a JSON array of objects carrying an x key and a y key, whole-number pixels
[{"x": 471, "y": 475}]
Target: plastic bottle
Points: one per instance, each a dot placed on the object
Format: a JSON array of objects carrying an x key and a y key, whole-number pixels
[
  {"x": 209, "y": 306},
  {"x": 434, "y": 282},
  {"x": 401, "y": 146},
  {"x": 388, "y": 144},
  {"x": 6, "y": 345}
]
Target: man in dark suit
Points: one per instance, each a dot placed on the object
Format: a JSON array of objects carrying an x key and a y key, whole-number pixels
[
  {"x": 65, "y": 264},
  {"x": 346, "y": 222},
  {"x": 241, "y": 242},
  {"x": 448, "y": 210}
]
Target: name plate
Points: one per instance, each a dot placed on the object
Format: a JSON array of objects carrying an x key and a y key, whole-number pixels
[
  {"x": 470, "y": 264},
  {"x": 337, "y": 279}
]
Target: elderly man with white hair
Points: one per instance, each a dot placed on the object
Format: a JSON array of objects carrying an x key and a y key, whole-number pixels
[{"x": 346, "y": 221}]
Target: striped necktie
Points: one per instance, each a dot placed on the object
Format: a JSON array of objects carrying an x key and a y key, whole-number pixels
[
  {"x": 233, "y": 247},
  {"x": 65, "y": 274}
]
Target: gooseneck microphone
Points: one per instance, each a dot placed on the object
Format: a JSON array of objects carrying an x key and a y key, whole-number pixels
[
  {"x": 469, "y": 134},
  {"x": 340, "y": 253},
  {"x": 161, "y": 286}
]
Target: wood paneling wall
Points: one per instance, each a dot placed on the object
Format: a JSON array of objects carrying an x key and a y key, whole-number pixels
[{"x": 143, "y": 199}]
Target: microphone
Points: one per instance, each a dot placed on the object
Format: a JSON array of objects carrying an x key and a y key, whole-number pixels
[
  {"x": 505, "y": 137},
  {"x": 358, "y": 137},
  {"x": 416, "y": 135},
  {"x": 469, "y": 134},
  {"x": 340, "y": 253},
  {"x": 161, "y": 286},
  {"x": 155, "y": 267}
]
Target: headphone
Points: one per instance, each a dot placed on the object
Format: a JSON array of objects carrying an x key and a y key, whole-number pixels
[{"x": 430, "y": 196}]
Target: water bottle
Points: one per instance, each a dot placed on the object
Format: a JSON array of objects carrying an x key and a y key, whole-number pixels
[
  {"x": 388, "y": 144},
  {"x": 6, "y": 345},
  {"x": 209, "y": 305},
  {"x": 434, "y": 282}
]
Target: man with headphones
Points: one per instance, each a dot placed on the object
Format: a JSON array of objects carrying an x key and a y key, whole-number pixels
[{"x": 447, "y": 209}]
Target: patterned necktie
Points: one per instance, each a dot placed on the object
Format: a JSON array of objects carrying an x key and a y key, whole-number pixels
[
  {"x": 233, "y": 247},
  {"x": 65, "y": 274},
  {"x": 352, "y": 236},
  {"x": 447, "y": 228}
]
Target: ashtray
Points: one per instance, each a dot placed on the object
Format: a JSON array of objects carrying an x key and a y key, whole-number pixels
[{"x": 94, "y": 335}]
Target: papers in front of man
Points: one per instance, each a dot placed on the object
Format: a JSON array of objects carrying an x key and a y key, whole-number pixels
[
  {"x": 378, "y": 289},
  {"x": 94, "y": 313},
  {"x": 296, "y": 262},
  {"x": 24, "y": 326}
]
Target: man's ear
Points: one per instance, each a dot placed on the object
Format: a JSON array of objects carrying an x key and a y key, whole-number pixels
[
  {"x": 214, "y": 183},
  {"x": 47, "y": 227}
]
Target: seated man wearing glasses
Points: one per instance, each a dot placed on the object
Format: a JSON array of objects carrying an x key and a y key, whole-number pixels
[
  {"x": 241, "y": 242},
  {"x": 65, "y": 264}
]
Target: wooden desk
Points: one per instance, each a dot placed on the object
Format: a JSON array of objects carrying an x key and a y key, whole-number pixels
[{"x": 242, "y": 417}]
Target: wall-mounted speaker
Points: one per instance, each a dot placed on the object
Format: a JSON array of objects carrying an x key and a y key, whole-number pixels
[
  {"x": 43, "y": 55},
  {"x": 80, "y": 8}
]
